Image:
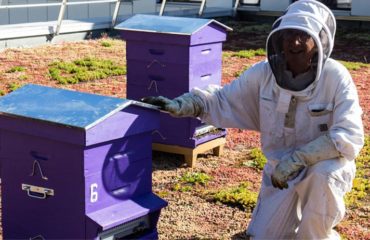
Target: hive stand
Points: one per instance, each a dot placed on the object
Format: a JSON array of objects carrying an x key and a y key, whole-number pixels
[{"x": 190, "y": 154}]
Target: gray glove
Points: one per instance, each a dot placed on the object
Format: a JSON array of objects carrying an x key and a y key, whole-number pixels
[
  {"x": 322, "y": 148},
  {"x": 186, "y": 105},
  {"x": 287, "y": 169}
]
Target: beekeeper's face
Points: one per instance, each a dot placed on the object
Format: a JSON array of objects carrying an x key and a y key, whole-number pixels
[{"x": 299, "y": 49}]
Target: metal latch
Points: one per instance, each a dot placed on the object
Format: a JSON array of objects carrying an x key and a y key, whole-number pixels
[
  {"x": 203, "y": 129},
  {"x": 37, "y": 192}
]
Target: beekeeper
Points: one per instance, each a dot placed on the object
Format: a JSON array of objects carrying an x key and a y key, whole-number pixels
[{"x": 306, "y": 107}]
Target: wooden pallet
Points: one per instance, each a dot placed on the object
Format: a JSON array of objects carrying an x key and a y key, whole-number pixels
[{"x": 191, "y": 154}]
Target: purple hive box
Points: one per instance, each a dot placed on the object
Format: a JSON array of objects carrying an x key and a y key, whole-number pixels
[
  {"x": 168, "y": 56},
  {"x": 76, "y": 166}
]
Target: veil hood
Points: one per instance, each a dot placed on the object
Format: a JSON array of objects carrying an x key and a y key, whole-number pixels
[{"x": 309, "y": 16}]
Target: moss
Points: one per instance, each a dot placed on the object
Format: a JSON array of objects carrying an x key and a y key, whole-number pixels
[
  {"x": 239, "y": 196},
  {"x": 250, "y": 53},
  {"x": 84, "y": 70}
]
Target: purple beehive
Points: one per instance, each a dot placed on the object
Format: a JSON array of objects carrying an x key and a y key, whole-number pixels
[
  {"x": 76, "y": 166},
  {"x": 169, "y": 56}
]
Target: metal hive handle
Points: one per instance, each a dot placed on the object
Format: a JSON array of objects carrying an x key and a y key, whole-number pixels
[{"x": 37, "y": 192}]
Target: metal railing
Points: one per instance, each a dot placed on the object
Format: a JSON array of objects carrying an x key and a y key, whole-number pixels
[
  {"x": 235, "y": 8},
  {"x": 63, "y": 5},
  {"x": 200, "y": 12}
]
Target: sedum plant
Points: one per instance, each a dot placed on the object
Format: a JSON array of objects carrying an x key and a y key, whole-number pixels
[
  {"x": 239, "y": 196},
  {"x": 84, "y": 70}
]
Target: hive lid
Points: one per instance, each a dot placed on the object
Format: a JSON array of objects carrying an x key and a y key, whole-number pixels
[
  {"x": 66, "y": 107},
  {"x": 166, "y": 24}
]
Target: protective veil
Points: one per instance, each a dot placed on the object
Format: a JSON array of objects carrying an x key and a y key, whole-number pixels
[{"x": 323, "y": 114}]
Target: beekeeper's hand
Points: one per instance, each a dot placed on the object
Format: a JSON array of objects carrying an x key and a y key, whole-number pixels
[
  {"x": 186, "y": 105},
  {"x": 322, "y": 148},
  {"x": 287, "y": 169}
]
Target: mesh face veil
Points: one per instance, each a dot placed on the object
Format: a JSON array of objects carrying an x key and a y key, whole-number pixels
[{"x": 311, "y": 17}]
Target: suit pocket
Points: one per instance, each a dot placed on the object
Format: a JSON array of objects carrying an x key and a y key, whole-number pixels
[
  {"x": 320, "y": 109},
  {"x": 321, "y": 117}
]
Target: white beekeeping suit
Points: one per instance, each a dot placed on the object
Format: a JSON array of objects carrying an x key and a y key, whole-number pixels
[{"x": 314, "y": 128}]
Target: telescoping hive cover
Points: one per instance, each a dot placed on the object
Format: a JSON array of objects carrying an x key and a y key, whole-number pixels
[
  {"x": 166, "y": 24},
  {"x": 65, "y": 107}
]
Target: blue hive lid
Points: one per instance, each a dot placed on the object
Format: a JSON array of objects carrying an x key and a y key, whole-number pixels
[
  {"x": 66, "y": 107},
  {"x": 166, "y": 24}
]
